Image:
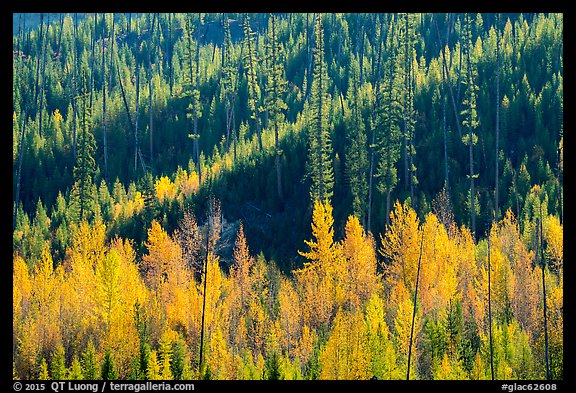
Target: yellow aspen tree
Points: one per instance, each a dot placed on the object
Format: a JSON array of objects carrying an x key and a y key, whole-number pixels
[{"x": 359, "y": 253}]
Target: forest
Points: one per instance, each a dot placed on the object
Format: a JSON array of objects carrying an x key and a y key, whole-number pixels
[{"x": 287, "y": 196}]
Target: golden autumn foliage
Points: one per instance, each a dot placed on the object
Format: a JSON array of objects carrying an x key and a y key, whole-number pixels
[{"x": 344, "y": 315}]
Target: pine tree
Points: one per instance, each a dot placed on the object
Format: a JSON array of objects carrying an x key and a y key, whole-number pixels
[{"x": 320, "y": 150}]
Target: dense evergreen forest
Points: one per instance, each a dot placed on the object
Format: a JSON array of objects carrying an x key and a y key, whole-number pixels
[{"x": 288, "y": 196}]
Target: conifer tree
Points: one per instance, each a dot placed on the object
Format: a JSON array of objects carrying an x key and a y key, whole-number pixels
[
  {"x": 192, "y": 85},
  {"x": 470, "y": 114},
  {"x": 320, "y": 150},
  {"x": 387, "y": 121},
  {"x": 356, "y": 162},
  {"x": 81, "y": 198},
  {"x": 253, "y": 87},
  {"x": 275, "y": 91}
]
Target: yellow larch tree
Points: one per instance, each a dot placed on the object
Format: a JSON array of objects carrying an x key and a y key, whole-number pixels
[
  {"x": 290, "y": 316},
  {"x": 361, "y": 278},
  {"x": 163, "y": 259},
  {"x": 320, "y": 279},
  {"x": 346, "y": 355},
  {"x": 401, "y": 245},
  {"x": 383, "y": 354}
]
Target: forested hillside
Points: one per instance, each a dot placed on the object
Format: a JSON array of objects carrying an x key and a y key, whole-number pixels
[{"x": 288, "y": 196}]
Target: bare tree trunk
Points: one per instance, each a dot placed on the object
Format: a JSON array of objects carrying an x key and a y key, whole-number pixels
[
  {"x": 60, "y": 35},
  {"x": 74, "y": 81},
  {"x": 150, "y": 92},
  {"x": 19, "y": 173},
  {"x": 415, "y": 303},
  {"x": 447, "y": 80},
  {"x": 136, "y": 147},
  {"x": 373, "y": 141},
  {"x": 40, "y": 45},
  {"x": 93, "y": 60},
  {"x": 104, "y": 119},
  {"x": 543, "y": 266},
  {"x": 497, "y": 114},
  {"x": 42, "y": 81},
  {"x": 490, "y": 302}
]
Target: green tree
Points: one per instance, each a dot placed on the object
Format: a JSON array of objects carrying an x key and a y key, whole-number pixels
[
  {"x": 320, "y": 149},
  {"x": 81, "y": 198},
  {"x": 275, "y": 91},
  {"x": 109, "y": 372},
  {"x": 356, "y": 162},
  {"x": 470, "y": 114}
]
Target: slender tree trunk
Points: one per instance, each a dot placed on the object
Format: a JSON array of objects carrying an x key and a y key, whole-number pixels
[
  {"x": 104, "y": 119},
  {"x": 415, "y": 303},
  {"x": 74, "y": 82},
  {"x": 43, "y": 79},
  {"x": 490, "y": 306},
  {"x": 197, "y": 138},
  {"x": 446, "y": 177},
  {"x": 40, "y": 46},
  {"x": 150, "y": 92},
  {"x": 543, "y": 266},
  {"x": 497, "y": 171},
  {"x": 19, "y": 173},
  {"x": 93, "y": 60},
  {"x": 470, "y": 140},
  {"x": 202, "y": 328},
  {"x": 276, "y": 110},
  {"x": 447, "y": 80},
  {"x": 373, "y": 141},
  {"x": 136, "y": 147},
  {"x": 405, "y": 110},
  {"x": 60, "y": 35}
]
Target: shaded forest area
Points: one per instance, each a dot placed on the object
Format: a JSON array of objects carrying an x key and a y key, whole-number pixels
[{"x": 149, "y": 151}]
